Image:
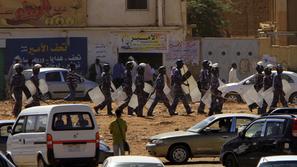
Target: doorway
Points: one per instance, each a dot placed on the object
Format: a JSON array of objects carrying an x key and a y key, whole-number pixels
[{"x": 154, "y": 59}]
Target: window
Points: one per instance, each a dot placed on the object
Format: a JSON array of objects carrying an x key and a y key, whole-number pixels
[
  {"x": 41, "y": 123},
  {"x": 241, "y": 123},
  {"x": 255, "y": 130},
  {"x": 30, "y": 124},
  {"x": 274, "y": 129},
  {"x": 53, "y": 76},
  {"x": 3, "y": 131},
  {"x": 19, "y": 126},
  {"x": 137, "y": 4},
  {"x": 221, "y": 125},
  {"x": 72, "y": 121}
]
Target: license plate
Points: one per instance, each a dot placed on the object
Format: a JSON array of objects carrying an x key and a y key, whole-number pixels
[{"x": 73, "y": 148}]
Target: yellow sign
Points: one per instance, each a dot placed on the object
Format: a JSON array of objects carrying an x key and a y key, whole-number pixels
[{"x": 42, "y": 13}]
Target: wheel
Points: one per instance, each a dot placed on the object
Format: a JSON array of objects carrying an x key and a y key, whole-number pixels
[
  {"x": 293, "y": 98},
  {"x": 230, "y": 161},
  {"x": 178, "y": 154},
  {"x": 41, "y": 163},
  {"x": 233, "y": 98}
]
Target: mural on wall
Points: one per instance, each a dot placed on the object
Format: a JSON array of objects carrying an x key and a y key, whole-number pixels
[
  {"x": 50, "y": 52},
  {"x": 42, "y": 13},
  {"x": 144, "y": 42}
]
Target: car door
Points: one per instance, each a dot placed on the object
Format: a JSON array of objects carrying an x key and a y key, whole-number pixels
[
  {"x": 213, "y": 136},
  {"x": 248, "y": 146},
  {"x": 4, "y": 136},
  {"x": 57, "y": 87},
  {"x": 80, "y": 89}
]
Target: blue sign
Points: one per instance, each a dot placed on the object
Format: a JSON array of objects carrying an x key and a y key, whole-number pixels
[{"x": 50, "y": 52}]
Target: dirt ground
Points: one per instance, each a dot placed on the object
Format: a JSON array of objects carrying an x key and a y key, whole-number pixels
[{"x": 140, "y": 129}]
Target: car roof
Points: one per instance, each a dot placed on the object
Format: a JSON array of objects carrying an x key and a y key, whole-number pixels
[
  {"x": 279, "y": 158},
  {"x": 134, "y": 159},
  {"x": 7, "y": 121},
  {"x": 236, "y": 115},
  {"x": 279, "y": 116},
  {"x": 49, "y": 69},
  {"x": 47, "y": 109}
]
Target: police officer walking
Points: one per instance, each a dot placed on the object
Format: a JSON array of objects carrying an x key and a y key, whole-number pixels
[
  {"x": 35, "y": 80},
  {"x": 204, "y": 83},
  {"x": 127, "y": 87},
  {"x": 72, "y": 81},
  {"x": 160, "y": 95},
  {"x": 258, "y": 84},
  {"x": 106, "y": 90},
  {"x": 216, "y": 95},
  {"x": 267, "y": 83},
  {"x": 17, "y": 86},
  {"x": 139, "y": 84},
  {"x": 177, "y": 80},
  {"x": 278, "y": 93}
]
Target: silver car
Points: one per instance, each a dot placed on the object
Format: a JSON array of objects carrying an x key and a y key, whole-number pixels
[{"x": 56, "y": 80}]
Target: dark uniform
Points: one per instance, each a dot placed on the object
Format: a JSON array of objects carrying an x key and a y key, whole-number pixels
[
  {"x": 216, "y": 95},
  {"x": 72, "y": 81},
  {"x": 177, "y": 80},
  {"x": 35, "y": 80},
  {"x": 267, "y": 83},
  {"x": 105, "y": 88},
  {"x": 204, "y": 83},
  {"x": 17, "y": 86},
  {"x": 278, "y": 93},
  {"x": 258, "y": 84},
  {"x": 160, "y": 95},
  {"x": 139, "y": 84},
  {"x": 127, "y": 87}
]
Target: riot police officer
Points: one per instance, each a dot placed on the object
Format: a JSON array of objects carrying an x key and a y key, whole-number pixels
[
  {"x": 72, "y": 81},
  {"x": 106, "y": 90},
  {"x": 278, "y": 93},
  {"x": 267, "y": 83},
  {"x": 35, "y": 80},
  {"x": 258, "y": 84},
  {"x": 17, "y": 86},
  {"x": 160, "y": 95},
  {"x": 127, "y": 87},
  {"x": 139, "y": 84},
  {"x": 216, "y": 95},
  {"x": 176, "y": 81},
  {"x": 204, "y": 83}
]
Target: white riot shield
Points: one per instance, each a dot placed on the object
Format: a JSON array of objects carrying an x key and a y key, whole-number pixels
[
  {"x": 206, "y": 99},
  {"x": 286, "y": 86},
  {"x": 119, "y": 96},
  {"x": 31, "y": 87},
  {"x": 96, "y": 95},
  {"x": 148, "y": 88},
  {"x": 250, "y": 96},
  {"x": 133, "y": 101},
  {"x": 43, "y": 87},
  {"x": 195, "y": 94},
  {"x": 150, "y": 101},
  {"x": 268, "y": 96},
  {"x": 192, "y": 88}
]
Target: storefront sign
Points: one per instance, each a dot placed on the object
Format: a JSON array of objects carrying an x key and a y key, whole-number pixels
[
  {"x": 144, "y": 42},
  {"x": 50, "y": 52},
  {"x": 42, "y": 13}
]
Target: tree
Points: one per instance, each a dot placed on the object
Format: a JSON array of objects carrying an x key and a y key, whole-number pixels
[{"x": 208, "y": 16}]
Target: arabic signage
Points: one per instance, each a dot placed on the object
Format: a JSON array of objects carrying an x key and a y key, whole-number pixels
[
  {"x": 185, "y": 50},
  {"x": 144, "y": 42},
  {"x": 42, "y": 13},
  {"x": 51, "y": 52}
]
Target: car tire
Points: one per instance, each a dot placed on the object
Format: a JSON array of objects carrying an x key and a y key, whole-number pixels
[
  {"x": 231, "y": 97},
  {"x": 41, "y": 163},
  {"x": 179, "y": 154},
  {"x": 293, "y": 98},
  {"x": 230, "y": 161}
]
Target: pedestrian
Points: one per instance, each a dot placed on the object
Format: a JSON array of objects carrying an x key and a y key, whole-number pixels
[
  {"x": 233, "y": 78},
  {"x": 127, "y": 87},
  {"x": 118, "y": 130},
  {"x": 278, "y": 93},
  {"x": 118, "y": 74},
  {"x": 160, "y": 95},
  {"x": 35, "y": 80},
  {"x": 204, "y": 83},
  {"x": 72, "y": 80},
  {"x": 258, "y": 84},
  {"x": 16, "y": 87},
  {"x": 105, "y": 87},
  {"x": 216, "y": 95},
  {"x": 11, "y": 72},
  {"x": 267, "y": 83},
  {"x": 177, "y": 80},
  {"x": 95, "y": 71},
  {"x": 139, "y": 84}
]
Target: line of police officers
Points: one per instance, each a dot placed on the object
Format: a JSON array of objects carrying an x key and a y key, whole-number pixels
[{"x": 208, "y": 80}]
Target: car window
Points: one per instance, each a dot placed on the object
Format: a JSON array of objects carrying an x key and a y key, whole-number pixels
[
  {"x": 30, "y": 124},
  {"x": 242, "y": 122},
  {"x": 274, "y": 128},
  {"x": 53, "y": 76},
  {"x": 287, "y": 78},
  {"x": 3, "y": 131},
  {"x": 221, "y": 125},
  {"x": 254, "y": 130},
  {"x": 72, "y": 121},
  {"x": 201, "y": 124},
  {"x": 41, "y": 123},
  {"x": 19, "y": 126}
]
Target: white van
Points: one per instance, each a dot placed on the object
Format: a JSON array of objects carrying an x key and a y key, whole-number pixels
[{"x": 54, "y": 135}]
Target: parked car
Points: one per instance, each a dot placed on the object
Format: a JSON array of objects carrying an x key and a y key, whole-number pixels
[
  {"x": 203, "y": 139},
  {"x": 233, "y": 89},
  {"x": 267, "y": 136},
  {"x": 4, "y": 125},
  {"x": 278, "y": 161},
  {"x": 54, "y": 135},
  {"x": 135, "y": 161},
  {"x": 4, "y": 162},
  {"x": 56, "y": 80},
  {"x": 285, "y": 110}
]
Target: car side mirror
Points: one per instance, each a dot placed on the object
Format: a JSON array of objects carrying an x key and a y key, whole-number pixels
[
  {"x": 207, "y": 129},
  {"x": 9, "y": 129}
]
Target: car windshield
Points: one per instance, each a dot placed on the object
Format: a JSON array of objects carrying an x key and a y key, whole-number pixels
[
  {"x": 280, "y": 164},
  {"x": 201, "y": 124},
  {"x": 121, "y": 164}
]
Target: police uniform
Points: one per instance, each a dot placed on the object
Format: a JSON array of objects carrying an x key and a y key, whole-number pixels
[
  {"x": 267, "y": 83},
  {"x": 258, "y": 84},
  {"x": 278, "y": 93},
  {"x": 139, "y": 84},
  {"x": 17, "y": 86},
  {"x": 160, "y": 95},
  {"x": 105, "y": 88},
  {"x": 35, "y": 80},
  {"x": 216, "y": 95},
  {"x": 177, "y": 80},
  {"x": 72, "y": 81},
  {"x": 204, "y": 83}
]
